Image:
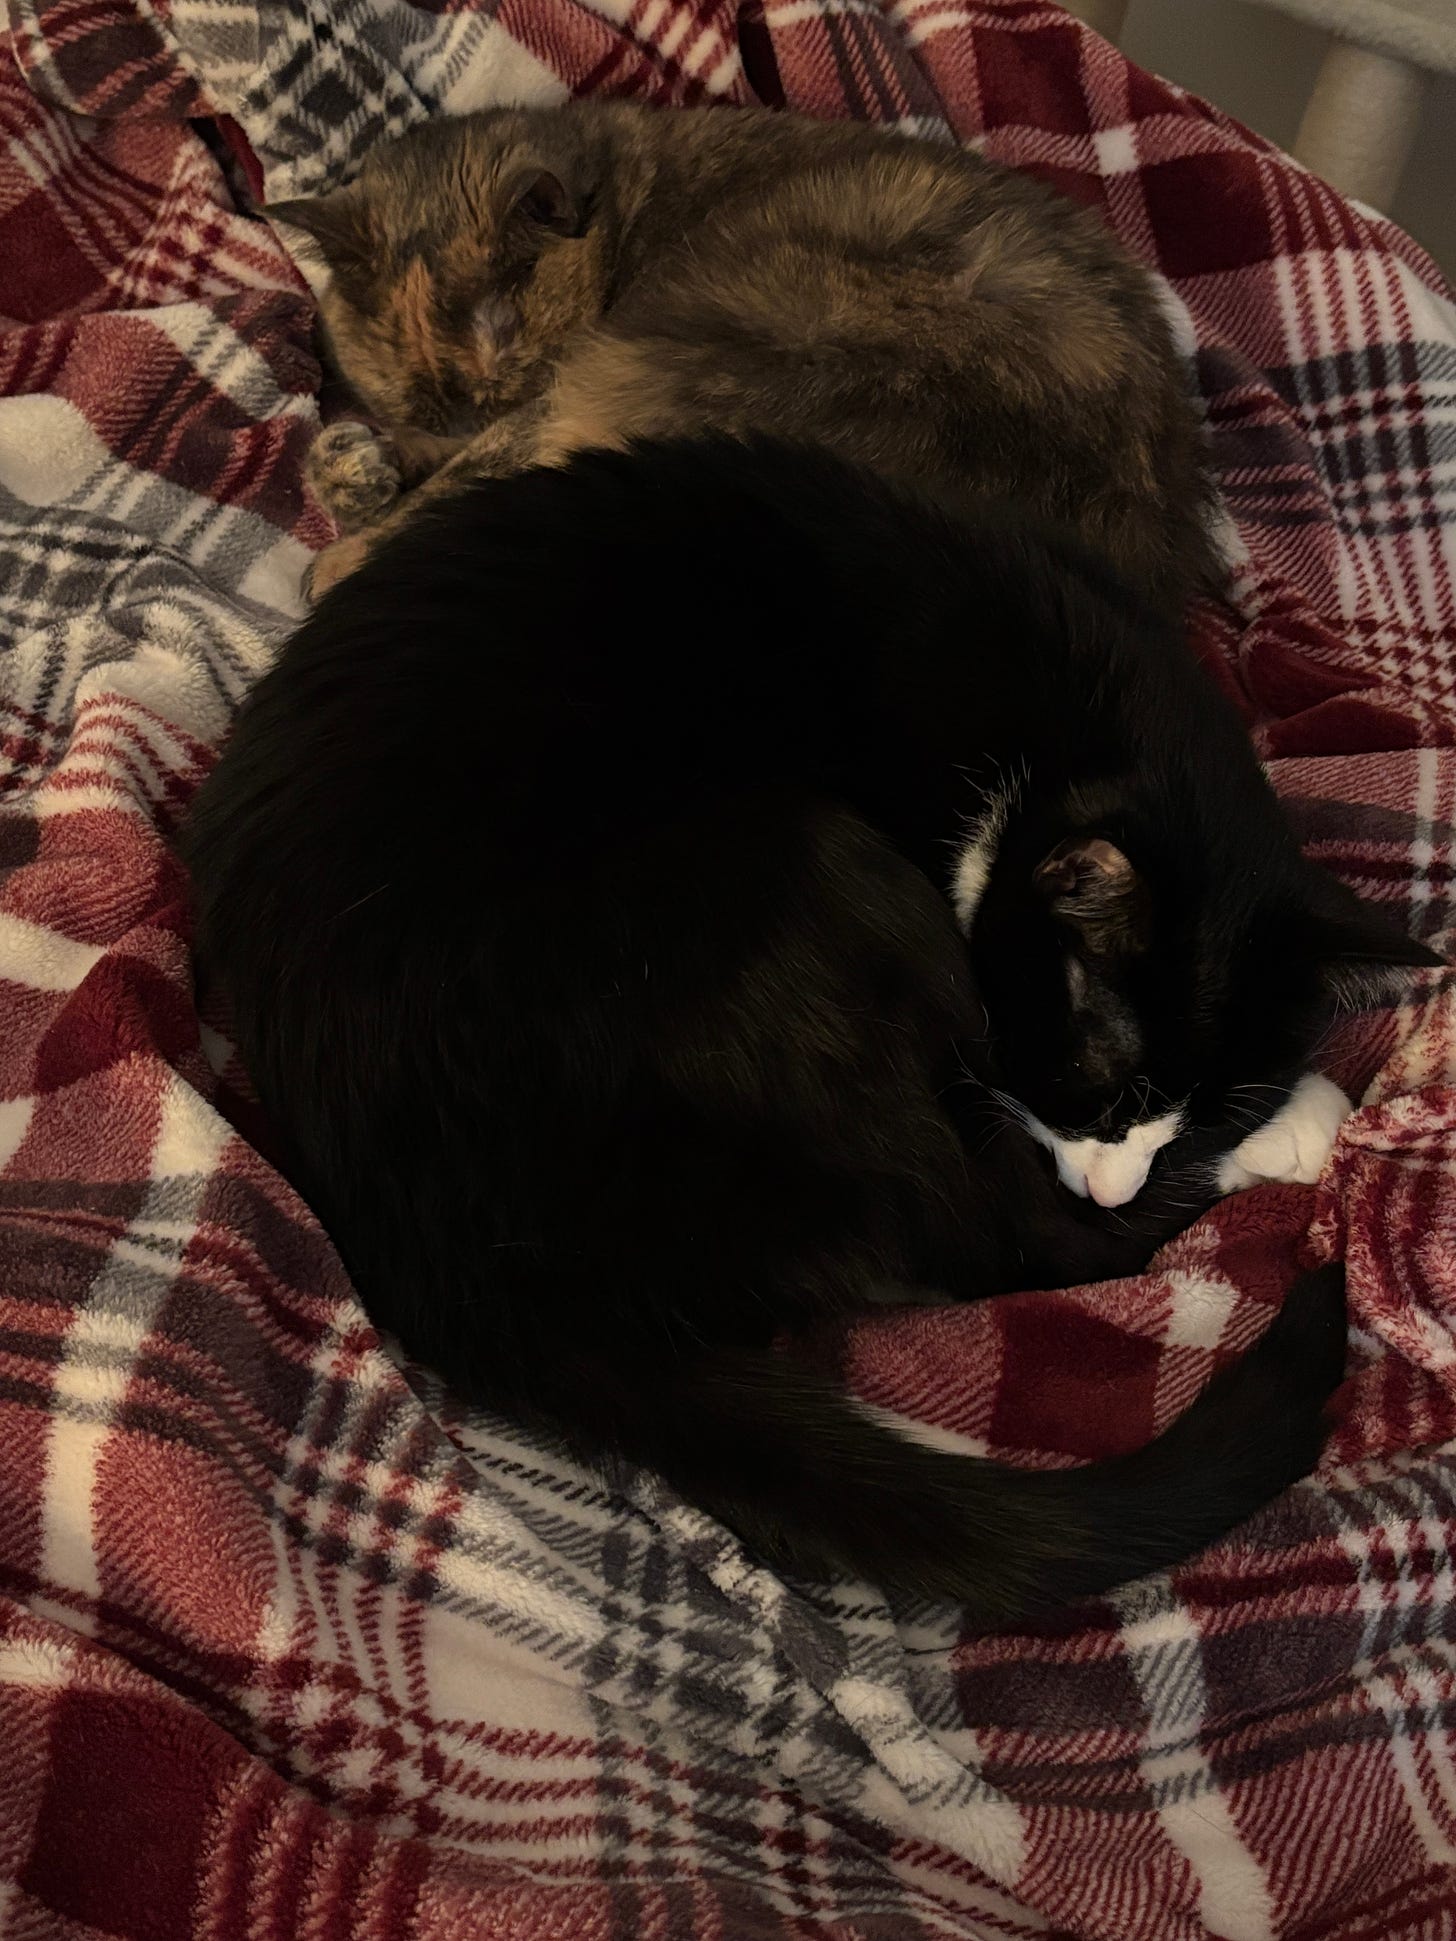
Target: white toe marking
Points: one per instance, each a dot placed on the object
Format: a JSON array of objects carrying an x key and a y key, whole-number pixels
[{"x": 1295, "y": 1144}]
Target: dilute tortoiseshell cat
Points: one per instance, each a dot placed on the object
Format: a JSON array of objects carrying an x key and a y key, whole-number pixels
[{"x": 513, "y": 286}]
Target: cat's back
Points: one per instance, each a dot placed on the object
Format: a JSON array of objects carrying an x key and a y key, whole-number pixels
[
  {"x": 518, "y": 678},
  {"x": 517, "y": 867},
  {"x": 753, "y": 171},
  {"x": 933, "y": 315}
]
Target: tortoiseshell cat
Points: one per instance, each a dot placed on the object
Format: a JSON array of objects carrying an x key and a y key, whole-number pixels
[{"x": 513, "y": 286}]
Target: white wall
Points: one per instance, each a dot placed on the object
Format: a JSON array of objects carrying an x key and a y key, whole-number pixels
[{"x": 1259, "y": 66}]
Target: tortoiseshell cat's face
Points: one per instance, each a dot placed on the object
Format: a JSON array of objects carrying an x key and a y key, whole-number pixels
[{"x": 462, "y": 258}]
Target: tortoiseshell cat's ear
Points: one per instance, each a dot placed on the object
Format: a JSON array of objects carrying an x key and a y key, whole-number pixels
[
  {"x": 540, "y": 195},
  {"x": 338, "y": 225}
]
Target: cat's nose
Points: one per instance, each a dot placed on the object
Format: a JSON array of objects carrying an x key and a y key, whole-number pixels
[
  {"x": 1106, "y": 1193},
  {"x": 1116, "y": 1184}
]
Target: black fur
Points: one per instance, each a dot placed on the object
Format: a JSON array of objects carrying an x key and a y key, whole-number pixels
[{"x": 571, "y": 879}]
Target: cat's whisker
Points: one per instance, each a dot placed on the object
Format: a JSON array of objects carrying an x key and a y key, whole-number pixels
[{"x": 360, "y": 901}]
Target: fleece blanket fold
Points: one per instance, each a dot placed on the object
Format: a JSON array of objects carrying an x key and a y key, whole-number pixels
[{"x": 289, "y": 1644}]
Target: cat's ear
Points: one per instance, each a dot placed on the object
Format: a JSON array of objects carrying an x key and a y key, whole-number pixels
[
  {"x": 1364, "y": 973},
  {"x": 1365, "y": 960},
  {"x": 1369, "y": 963},
  {"x": 539, "y": 194},
  {"x": 337, "y": 225},
  {"x": 1092, "y": 887}
]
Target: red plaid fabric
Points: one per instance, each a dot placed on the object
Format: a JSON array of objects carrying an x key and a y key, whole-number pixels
[{"x": 290, "y": 1646}]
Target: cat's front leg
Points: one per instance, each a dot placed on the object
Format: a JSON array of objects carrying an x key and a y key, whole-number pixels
[
  {"x": 1295, "y": 1144},
  {"x": 507, "y": 446},
  {"x": 420, "y": 454},
  {"x": 354, "y": 473},
  {"x": 359, "y": 476},
  {"x": 357, "y": 473}
]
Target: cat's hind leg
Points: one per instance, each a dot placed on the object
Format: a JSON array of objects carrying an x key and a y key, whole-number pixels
[{"x": 336, "y": 562}]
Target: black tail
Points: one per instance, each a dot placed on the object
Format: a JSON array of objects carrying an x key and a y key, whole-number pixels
[{"x": 816, "y": 1486}]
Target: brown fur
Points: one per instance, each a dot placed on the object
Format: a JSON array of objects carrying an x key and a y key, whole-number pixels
[{"x": 534, "y": 281}]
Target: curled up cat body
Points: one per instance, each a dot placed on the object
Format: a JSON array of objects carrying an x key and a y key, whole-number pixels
[
  {"x": 509, "y": 287},
  {"x": 631, "y": 1028}
]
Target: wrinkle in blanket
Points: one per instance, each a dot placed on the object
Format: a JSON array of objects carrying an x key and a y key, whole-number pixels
[{"x": 288, "y": 1643}]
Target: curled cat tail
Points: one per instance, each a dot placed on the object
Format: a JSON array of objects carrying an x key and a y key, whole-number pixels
[{"x": 816, "y": 1486}]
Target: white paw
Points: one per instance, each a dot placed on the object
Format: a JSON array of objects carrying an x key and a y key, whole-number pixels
[{"x": 1294, "y": 1146}]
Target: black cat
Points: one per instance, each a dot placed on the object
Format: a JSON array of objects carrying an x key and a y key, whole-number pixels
[{"x": 578, "y": 877}]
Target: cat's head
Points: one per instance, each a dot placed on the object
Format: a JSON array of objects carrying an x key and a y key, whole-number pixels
[
  {"x": 460, "y": 260},
  {"x": 1155, "y": 977}
]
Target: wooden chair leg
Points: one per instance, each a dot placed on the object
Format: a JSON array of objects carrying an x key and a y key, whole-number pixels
[
  {"x": 1104, "y": 17},
  {"x": 1360, "y": 123}
]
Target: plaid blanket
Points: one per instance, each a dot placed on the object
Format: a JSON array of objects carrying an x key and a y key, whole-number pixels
[{"x": 289, "y": 1645}]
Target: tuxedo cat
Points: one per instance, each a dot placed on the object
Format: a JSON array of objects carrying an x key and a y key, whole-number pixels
[
  {"x": 506, "y": 288},
  {"x": 583, "y": 876}
]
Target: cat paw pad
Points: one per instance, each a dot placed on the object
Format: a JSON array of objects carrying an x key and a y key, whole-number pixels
[
  {"x": 1295, "y": 1144},
  {"x": 354, "y": 473}
]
